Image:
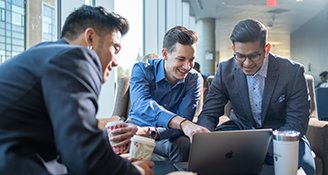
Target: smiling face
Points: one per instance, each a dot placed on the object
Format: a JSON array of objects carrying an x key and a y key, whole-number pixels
[
  {"x": 250, "y": 67},
  {"x": 179, "y": 62},
  {"x": 107, "y": 47}
]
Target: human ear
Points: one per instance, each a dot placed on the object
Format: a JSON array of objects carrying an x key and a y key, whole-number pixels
[
  {"x": 267, "y": 49},
  {"x": 89, "y": 34},
  {"x": 164, "y": 53}
]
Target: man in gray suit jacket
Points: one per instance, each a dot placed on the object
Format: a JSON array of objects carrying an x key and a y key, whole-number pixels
[
  {"x": 49, "y": 97},
  {"x": 265, "y": 90}
]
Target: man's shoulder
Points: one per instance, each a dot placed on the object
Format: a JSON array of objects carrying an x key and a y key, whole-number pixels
[
  {"x": 150, "y": 63},
  {"x": 227, "y": 66},
  {"x": 284, "y": 61},
  {"x": 152, "y": 66},
  {"x": 193, "y": 73},
  {"x": 64, "y": 56},
  {"x": 55, "y": 49}
]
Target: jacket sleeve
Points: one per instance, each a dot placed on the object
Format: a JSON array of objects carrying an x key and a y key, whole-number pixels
[
  {"x": 298, "y": 105},
  {"x": 214, "y": 103},
  {"x": 71, "y": 85}
]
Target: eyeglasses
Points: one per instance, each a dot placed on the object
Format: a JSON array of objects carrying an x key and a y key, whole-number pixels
[{"x": 252, "y": 57}]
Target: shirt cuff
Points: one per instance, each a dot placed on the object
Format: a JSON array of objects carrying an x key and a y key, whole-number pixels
[
  {"x": 164, "y": 118},
  {"x": 161, "y": 133},
  {"x": 141, "y": 171},
  {"x": 164, "y": 133}
]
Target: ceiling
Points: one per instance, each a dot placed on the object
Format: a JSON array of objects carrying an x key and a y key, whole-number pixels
[{"x": 281, "y": 20}]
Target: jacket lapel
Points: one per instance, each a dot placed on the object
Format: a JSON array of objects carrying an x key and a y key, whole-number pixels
[
  {"x": 270, "y": 84},
  {"x": 241, "y": 84}
]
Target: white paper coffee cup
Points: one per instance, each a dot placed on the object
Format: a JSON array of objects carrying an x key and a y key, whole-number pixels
[
  {"x": 110, "y": 126},
  {"x": 141, "y": 148}
]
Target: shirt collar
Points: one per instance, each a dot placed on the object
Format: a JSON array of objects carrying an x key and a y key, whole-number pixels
[
  {"x": 161, "y": 73},
  {"x": 264, "y": 68}
]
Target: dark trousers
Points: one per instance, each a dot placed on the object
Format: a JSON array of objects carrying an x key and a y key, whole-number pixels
[
  {"x": 176, "y": 148},
  {"x": 305, "y": 158}
]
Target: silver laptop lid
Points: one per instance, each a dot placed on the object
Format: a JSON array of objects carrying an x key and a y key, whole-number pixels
[{"x": 229, "y": 152}]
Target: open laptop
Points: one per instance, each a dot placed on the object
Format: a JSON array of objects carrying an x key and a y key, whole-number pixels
[{"x": 227, "y": 152}]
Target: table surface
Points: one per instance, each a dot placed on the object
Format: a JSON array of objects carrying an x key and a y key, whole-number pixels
[{"x": 165, "y": 167}]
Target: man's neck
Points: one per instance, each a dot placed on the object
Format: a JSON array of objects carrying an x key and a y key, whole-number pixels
[{"x": 169, "y": 78}]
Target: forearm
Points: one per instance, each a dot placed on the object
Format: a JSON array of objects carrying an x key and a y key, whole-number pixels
[
  {"x": 145, "y": 111},
  {"x": 176, "y": 121},
  {"x": 216, "y": 99}
]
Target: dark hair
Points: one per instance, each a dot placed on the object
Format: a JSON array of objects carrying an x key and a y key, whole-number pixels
[
  {"x": 324, "y": 74},
  {"x": 249, "y": 30},
  {"x": 179, "y": 34},
  {"x": 93, "y": 17},
  {"x": 197, "y": 66}
]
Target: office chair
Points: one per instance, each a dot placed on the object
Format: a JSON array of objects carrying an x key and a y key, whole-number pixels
[{"x": 322, "y": 103}]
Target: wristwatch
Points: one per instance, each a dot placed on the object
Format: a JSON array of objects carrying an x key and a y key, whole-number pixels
[{"x": 153, "y": 134}]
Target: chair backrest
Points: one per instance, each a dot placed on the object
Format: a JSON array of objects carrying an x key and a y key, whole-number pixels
[
  {"x": 310, "y": 82},
  {"x": 322, "y": 101},
  {"x": 122, "y": 100}
]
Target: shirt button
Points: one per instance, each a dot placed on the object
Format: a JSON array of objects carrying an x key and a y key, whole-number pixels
[
  {"x": 259, "y": 119},
  {"x": 253, "y": 88},
  {"x": 165, "y": 105},
  {"x": 255, "y": 104}
]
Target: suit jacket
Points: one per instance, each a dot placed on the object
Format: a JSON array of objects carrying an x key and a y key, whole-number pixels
[
  {"x": 48, "y": 105},
  {"x": 285, "y": 102}
]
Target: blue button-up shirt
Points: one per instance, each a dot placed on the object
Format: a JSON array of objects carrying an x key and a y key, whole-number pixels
[{"x": 154, "y": 102}]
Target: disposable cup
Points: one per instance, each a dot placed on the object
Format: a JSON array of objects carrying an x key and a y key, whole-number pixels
[
  {"x": 110, "y": 126},
  {"x": 141, "y": 148}
]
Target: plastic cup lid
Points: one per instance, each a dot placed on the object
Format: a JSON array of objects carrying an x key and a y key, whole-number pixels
[
  {"x": 114, "y": 123},
  {"x": 144, "y": 140},
  {"x": 286, "y": 135}
]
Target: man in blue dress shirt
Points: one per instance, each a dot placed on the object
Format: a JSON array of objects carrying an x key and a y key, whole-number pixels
[{"x": 165, "y": 93}]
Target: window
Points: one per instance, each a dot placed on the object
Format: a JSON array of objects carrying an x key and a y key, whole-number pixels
[
  {"x": 24, "y": 24},
  {"x": 48, "y": 23},
  {"x": 131, "y": 43},
  {"x": 12, "y": 21},
  {"x": 2, "y": 11}
]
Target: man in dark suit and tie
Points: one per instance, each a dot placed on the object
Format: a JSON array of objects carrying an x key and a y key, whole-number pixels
[
  {"x": 265, "y": 90},
  {"x": 48, "y": 101}
]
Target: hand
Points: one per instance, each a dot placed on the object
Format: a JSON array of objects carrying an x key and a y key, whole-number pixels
[
  {"x": 143, "y": 131},
  {"x": 123, "y": 135},
  {"x": 189, "y": 128},
  {"x": 126, "y": 156},
  {"x": 145, "y": 165}
]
